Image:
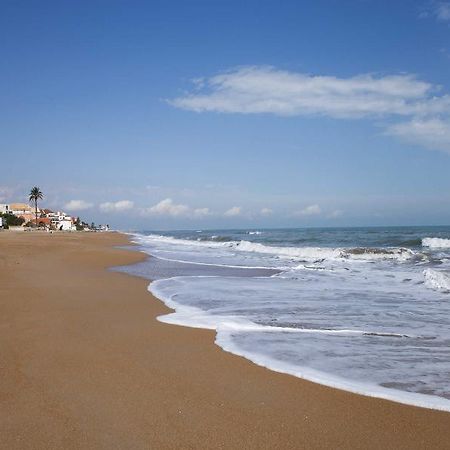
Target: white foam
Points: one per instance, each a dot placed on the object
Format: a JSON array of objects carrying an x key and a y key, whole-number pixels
[
  {"x": 317, "y": 253},
  {"x": 435, "y": 242},
  {"x": 225, "y": 341},
  {"x": 230, "y": 266},
  {"x": 437, "y": 280},
  {"x": 189, "y": 316},
  {"x": 196, "y": 318},
  {"x": 227, "y": 326},
  {"x": 299, "y": 253},
  {"x": 315, "y": 319}
]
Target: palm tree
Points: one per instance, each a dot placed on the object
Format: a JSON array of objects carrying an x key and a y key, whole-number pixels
[{"x": 35, "y": 195}]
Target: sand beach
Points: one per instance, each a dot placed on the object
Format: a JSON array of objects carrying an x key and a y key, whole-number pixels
[{"x": 84, "y": 364}]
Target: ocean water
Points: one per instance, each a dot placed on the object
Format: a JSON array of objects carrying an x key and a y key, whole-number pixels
[{"x": 361, "y": 309}]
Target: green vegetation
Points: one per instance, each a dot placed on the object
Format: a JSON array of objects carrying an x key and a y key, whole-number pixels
[
  {"x": 35, "y": 195},
  {"x": 10, "y": 220},
  {"x": 79, "y": 224}
]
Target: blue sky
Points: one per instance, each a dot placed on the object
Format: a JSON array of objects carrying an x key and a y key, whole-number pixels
[{"x": 222, "y": 114}]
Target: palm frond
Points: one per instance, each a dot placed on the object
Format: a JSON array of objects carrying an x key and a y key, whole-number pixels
[{"x": 36, "y": 194}]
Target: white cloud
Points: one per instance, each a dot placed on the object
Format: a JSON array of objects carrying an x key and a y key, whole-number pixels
[
  {"x": 436, "y": 9},
  {"x": 233, "y": 212},
  {"x": 442, "y": 10},
  {"x": 255, "y": 89},
  {"x": 311, "y": 210},
  {"x": 267, "y": 90},
  {"x": 201, "y": 212},
  {"x": 119, "y": 206},
  {"x": 168, "y": 207},
  {"x": 432, "y": 133},
  {"x": 266, "y": 212},
  {"x": 77, "y": 205}
]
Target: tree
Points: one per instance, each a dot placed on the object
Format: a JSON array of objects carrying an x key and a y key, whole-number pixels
[
  {"x": 10, "y": 220},
  {"x": 35, "y": 195},
  {"x": 79, "y": 224}
]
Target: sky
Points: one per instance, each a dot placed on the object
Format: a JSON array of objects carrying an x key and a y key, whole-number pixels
[{"x": 228, "y": 114}]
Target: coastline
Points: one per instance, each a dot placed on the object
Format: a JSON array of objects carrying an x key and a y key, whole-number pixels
[{"x": 85, "y": 364}]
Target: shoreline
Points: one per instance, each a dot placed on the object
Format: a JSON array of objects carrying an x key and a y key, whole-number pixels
[
  {"x": 406, "y": 398},
  {"x": 85, "y": 364}
]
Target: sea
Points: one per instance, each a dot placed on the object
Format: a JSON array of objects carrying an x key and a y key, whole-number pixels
[{"x": 366, "y": 310}]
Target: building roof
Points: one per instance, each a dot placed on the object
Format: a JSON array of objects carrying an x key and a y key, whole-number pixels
[
  {"x": 45, "y": 220},
  {"x": 20, "y": 207}
]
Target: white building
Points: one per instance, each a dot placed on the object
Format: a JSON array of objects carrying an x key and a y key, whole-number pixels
[
  {"x": 60, "y": 220},
  {"x": 66, "y": 225},
  {"x": 22, "y": 210},
  {"x": 4, "y": 208}
]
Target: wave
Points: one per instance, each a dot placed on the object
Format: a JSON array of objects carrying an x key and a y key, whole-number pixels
[
  {"x": 230, "y": 266},
  {"x": 226, "y": 342},
  {"x": 432, "y": 242},
  {"x": 195, "y": 317},
  {"x": 216, "y": 238},
  {"x": 411, "y": 243},
  {"x": 228, "y": 327},
  {"x": 437, "y": 280},
  {"x": 299, "y": 253},
  {"x": 384, "y": 253}
]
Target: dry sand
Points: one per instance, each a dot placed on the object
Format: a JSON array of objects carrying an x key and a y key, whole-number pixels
[{"x": 84, "y": 364}]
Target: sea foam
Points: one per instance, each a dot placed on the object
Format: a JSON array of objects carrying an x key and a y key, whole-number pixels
[
  {"x": 367, "y": 312},
  {"x": 299, "y": 253},
  {"x": 437, "y": 280},
  {"x": 310, "y": 353},
  {"x": 436, "y": 242}
]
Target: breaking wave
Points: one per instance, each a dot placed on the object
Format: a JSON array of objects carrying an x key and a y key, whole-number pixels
[
  {"x": 351, "y": 308},
  {"x": 437, "y": 280},
  {"x": 436, "y": 242},
  {"x": 300, "y": 253}
]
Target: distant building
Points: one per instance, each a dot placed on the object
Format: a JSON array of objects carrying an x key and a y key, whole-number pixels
[
  {"x": 22, "y": 210},
  {"x": 59, "y": 220},
  {"x": 66, "y": 225},
  {"x": 46, "y": 217},
  {"x": 45, "y": 222}
]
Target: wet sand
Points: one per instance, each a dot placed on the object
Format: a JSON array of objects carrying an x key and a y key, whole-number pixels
[{"x": 84, "y": 364}]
